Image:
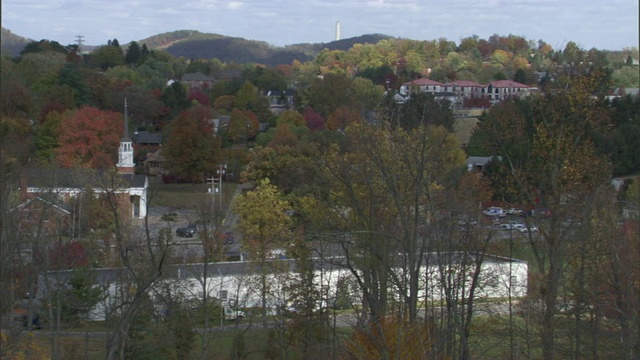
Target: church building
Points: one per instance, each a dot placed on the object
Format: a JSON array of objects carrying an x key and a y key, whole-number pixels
[{"x": 66, "y": 184}]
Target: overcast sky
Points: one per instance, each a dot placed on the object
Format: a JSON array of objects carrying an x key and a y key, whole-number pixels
[{"x": 606, "y": 25}]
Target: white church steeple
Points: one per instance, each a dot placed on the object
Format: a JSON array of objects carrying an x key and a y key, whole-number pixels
[{"x": 125, "y": 153}]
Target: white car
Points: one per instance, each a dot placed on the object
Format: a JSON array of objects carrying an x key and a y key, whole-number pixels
[
  {"x": 494, "y": 211},
  {"x": 515, "y": 211},
  {"x": 512, "y": 225},
  {"x": 531, "y": 228}
]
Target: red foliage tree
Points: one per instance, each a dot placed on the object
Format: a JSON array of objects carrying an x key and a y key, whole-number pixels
[
  {"x": 313, "y": 119},
  {"x": 69, "y": 256},
  {"x": 51, "y": 107},
  {"x": 199, "y": 96},
  {"x": 89, "y": 137}
]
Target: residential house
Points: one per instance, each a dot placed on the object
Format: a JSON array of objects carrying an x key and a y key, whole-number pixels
[
  {"x": 478, "y": 163},
  {"x": 38, "y": 215},
  {"x": 220, "y": 123},
  {"x": 422, "y": 85},
  {"x": 154, "y": 164},
  {"x": 228, "y": 75},
  {"x": 463, "y": 88},
  {"x": 197, "y": 80},
  {"x": 280, "y": 101},
  {"x": 503, "y": 89},
  {"x": 145, "y": 143}
]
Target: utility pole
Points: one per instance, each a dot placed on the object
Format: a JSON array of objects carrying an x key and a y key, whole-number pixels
[
  {"x": 217, "y": 188},
  {"x": 79, "y": 41},
  {"x": 221, "y": 171}
]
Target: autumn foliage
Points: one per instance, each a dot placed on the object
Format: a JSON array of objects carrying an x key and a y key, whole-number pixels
[
  {"x": 192, "y": 148},
  {"x": 89, "y": 138},
  {"x": 391, "y": 338}
]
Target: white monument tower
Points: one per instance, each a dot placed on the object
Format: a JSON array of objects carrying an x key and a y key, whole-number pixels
[{"x": 337, "y": 30}]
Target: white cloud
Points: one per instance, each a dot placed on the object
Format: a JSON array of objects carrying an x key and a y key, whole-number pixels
[{"x": 235, "y": 5}]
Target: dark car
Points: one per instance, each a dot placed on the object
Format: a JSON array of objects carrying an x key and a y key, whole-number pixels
[
  {"x": 187, "y": 232},
  {"x": 228, "y": 238}
]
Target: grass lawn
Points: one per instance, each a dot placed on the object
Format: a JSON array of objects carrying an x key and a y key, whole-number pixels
[
  {"x": 188, "y": 196},
  {"x": 252, "y": 343}
]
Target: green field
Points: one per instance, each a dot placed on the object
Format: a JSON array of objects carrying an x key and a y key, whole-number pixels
[{"x": 188, "y": 196}]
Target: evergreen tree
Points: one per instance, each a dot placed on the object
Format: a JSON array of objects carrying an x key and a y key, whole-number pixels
[{"x": 134, "y": 54}]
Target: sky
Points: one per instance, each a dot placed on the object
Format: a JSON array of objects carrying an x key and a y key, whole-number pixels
[{"x": 605, "y": 25}]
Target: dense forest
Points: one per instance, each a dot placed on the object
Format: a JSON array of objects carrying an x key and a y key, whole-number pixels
[{"x": 339, "y": 166}]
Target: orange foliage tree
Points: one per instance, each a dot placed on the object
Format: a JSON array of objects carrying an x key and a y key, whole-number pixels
[
  {"x": 89, "y": 137},
  {"x": 392, "y": 338},
  {"x": 342, "y": 117}
]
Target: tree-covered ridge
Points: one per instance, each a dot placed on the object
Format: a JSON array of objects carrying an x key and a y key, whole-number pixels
[
  {"x": 12, "y": 44},
  {"x": 164, "y": 40}
]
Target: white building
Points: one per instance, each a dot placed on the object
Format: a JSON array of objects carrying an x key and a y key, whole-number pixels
[{"x": 239, "y": 282}]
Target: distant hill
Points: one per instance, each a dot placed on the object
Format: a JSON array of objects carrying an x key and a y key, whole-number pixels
[
  {"x": 196, "y": 45},
  {"x": 11, "y": 43},
  {"x": 193, "y": 44}
]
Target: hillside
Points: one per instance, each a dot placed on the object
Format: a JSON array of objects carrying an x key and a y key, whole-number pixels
[
  {"x": 11, "y": 43},
  {"x": 196, "y": 45}
]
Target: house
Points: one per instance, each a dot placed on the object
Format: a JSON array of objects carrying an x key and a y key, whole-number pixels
[
  {"x": 229, "y": 75},
  {"x": 220, "y": 123},
  {"x": 236, "y": 282},
  {"x": 422, "y": 85},
  {"x": 503, "y": 89},
  {"x": 280, "y": 101},
  {"x": 154, "y": 164},
  {"x": 463, "y": 89},
  {"x": 197, "y": 80},
  {"x": 478, "y": 163},
  {"x": 38, "y": 215},
  {"x": 147, "y": 140}
]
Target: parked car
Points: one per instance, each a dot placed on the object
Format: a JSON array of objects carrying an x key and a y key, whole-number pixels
[
  {"x": 187, "y": 232},
  {"x": 494, "y": 211},
  {"x": 512, "y": 225},
  {"x": 228, "y": 238},
  {"x": 531, "y": 228},
  {"x": 233, "y": 314},
  {"x": 515, "y": 211}
]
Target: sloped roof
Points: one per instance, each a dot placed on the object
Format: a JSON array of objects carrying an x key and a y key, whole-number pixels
[
  {"x": 144, "y": 137},
  {"x": 508, "y": 84},
  {"x": 422, "y": 82},
  {"x": 197, "y": 76},
  {"x": 155, "y": 156},
  {"x": 55, "y": 203},
  {"x": 228, "y": 74},
  {"x": 464, "y": 83},
  {"x": 105, "y": 276},
  {"x": 481, "y": 160},
  {"x": 62, "y": 178}
]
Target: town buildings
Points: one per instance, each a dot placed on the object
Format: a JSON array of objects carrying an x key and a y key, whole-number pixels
[{"x": 459, "y": 90}]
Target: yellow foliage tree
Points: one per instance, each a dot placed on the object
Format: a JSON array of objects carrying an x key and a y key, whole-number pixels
[{"x": 265, "y": 226}]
